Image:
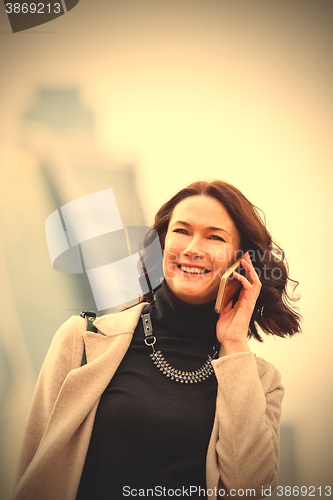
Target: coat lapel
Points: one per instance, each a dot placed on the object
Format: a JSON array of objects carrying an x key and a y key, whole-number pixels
[
  {"x": 84, "y": 385},
  {"x": 63, "y": 447}
]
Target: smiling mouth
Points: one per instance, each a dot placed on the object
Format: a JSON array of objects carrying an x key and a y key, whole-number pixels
[{"x": 193, "y": 270}]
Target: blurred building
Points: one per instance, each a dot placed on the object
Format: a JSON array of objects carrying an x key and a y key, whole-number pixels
[{"x": 54, "y": 160}]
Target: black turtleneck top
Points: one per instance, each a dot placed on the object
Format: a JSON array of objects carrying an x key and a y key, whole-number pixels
[{"x": 151, "y": 432}]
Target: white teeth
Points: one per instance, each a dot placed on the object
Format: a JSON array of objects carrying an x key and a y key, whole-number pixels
[{"x": 192, "y": 270}]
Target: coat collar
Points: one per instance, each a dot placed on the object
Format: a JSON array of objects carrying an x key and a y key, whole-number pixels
[{"x": 122, "y": 322}]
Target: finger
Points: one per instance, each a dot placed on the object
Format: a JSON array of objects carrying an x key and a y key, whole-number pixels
[
  {"x": 252, "y": 288},
  {"x": 246, "y": 284},
  {"x": 252, "y": 274}
]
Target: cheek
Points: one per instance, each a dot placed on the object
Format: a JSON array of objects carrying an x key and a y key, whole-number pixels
[
  {"x": 224, "y": 258},
  {"x": 220, "y": 258},
  {"x": 171, "y": 251},
  {"x": 168, "y": 265},
  {"x": 169, "y": 259}
]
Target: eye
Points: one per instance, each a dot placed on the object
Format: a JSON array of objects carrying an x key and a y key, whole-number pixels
[
  {"x": 215, "y": 237},
  {"x": 180, "y": 231}
]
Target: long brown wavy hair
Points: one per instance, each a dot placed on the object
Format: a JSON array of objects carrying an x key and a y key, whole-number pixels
[{"x": 274, "y": 312}]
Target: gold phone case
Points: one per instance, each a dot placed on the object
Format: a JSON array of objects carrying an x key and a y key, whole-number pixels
[{"x": 227, "y": 289}]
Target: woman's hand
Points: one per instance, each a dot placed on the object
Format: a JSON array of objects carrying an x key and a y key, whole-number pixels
[{"x": 233, "y": 324}]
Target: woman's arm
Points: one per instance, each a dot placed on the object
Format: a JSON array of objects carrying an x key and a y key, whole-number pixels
[
  {"x": 248, "y": 415},
  {"x": 248, "y": 401}
]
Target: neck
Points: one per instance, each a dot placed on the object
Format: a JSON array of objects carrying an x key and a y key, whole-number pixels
[{"x": 181, "y": 318}]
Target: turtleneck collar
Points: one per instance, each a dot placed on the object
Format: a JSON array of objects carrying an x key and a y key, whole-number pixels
[{"x": 182, "y": 319}]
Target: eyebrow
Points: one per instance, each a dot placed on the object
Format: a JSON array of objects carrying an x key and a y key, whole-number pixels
[{"x": 210, "y": 228}]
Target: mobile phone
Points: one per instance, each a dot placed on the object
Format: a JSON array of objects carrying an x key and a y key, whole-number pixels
[{"x": 228, "y": 288}]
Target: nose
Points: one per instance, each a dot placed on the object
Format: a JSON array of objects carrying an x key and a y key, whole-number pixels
[{"x": 194, "y": 249}]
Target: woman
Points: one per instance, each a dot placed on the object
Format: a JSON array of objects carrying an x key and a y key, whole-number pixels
[{"x": 118, "y": 427}]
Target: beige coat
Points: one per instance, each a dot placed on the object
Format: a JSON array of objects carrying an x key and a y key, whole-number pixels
[{"x": 243, "y": 452}]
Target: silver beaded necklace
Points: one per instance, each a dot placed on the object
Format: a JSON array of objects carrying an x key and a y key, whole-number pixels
[{"x": 161, "y": 364}]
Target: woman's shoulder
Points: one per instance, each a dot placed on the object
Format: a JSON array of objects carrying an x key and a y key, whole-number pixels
[
  {"x": 268, "y": 373},
  {"x": 75, "y": 326},
  {"x": 66, "y": 333},
  {"x": 265, "y": 366},
  {"x": 66, "y": 342},
  {"x": 121, "y": 322},
  {"x": 70, "y": 334}
]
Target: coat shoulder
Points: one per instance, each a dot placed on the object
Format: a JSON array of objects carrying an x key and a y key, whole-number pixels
[
  {"x": 66, "y": 346},
  {"x": 121, "y": 322},
  {"x": 69, "y": 333},
  {"x": 269, "y": 375}
]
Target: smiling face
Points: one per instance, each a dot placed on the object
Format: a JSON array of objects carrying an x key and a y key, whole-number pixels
[{"x": 200, "y": 244}]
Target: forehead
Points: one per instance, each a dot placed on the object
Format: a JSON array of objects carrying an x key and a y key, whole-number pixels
[{"x": 203, "y": 210}]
